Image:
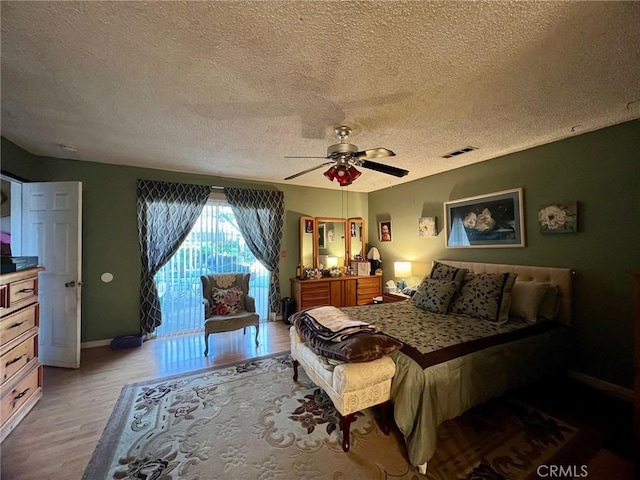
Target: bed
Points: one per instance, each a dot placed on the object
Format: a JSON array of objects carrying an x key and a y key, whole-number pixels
[{"x": 452, "y": 362}]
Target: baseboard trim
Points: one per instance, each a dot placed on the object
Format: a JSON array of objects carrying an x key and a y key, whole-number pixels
[{"x": 611, "y": 389}]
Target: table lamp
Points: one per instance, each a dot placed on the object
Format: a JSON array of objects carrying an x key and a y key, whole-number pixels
[{"x": 402, "y": 270}]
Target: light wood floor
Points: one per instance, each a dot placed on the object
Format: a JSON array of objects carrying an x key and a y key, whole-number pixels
[{"x": 57, "y": 438}]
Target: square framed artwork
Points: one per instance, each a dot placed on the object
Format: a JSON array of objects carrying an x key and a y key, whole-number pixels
[
  {"x": 427, "y": 227},
  {"x": 558, "y": 218},
  {"x": 491, "y": 220}
]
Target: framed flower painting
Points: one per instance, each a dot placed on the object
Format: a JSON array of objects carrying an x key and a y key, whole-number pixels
[
  {"x": 491, "y": 220},
  {"x": 559, "y": 218}
]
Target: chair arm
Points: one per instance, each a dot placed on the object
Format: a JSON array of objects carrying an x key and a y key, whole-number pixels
[{"x": 249, "y": 304}]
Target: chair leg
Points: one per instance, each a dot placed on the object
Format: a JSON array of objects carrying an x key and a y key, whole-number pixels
[
  {"x": 206, "y": 344},
  {"x": 345, "y": 423},
  {"x": 257, "y": 331},
  {"x": 295, "y": 370},
  {"x": 244, "y": 331}
]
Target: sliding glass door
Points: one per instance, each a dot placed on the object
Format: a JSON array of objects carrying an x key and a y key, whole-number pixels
[{"x": 214, "y": 245}]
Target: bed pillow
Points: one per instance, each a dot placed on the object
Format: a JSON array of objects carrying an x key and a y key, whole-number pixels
[
  {"x": 441, "y": 271},
  {"x": 435, "y": 295},
  {"x": 526, "y": 298},
  {"x": 485, "y": 295},
  {"x": 362, "y": 347},
  {"x": 226, "y": 301},
  {"x": 550, "y": 305}
]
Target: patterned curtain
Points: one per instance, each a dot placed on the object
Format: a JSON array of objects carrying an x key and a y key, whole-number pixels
[
  {"x": 260, "y": 217},
  {"x": 166, "y": 214}
]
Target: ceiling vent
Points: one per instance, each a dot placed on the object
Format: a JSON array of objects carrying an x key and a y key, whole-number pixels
[{"x": 459, "y": 152}]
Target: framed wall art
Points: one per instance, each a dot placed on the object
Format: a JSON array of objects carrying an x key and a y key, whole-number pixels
[
  {"x": 427, "y": 227},
  {"x": 558, "y": 218},
  {"x": 491, "y": 220},
  {"x": 385, "y": 231}
]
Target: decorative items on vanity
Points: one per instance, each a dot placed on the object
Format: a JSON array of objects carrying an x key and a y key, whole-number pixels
[{"x": 21, "y": 370}]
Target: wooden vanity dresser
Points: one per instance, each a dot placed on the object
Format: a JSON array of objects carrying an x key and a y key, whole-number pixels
[{"x": 20, "y": 369}]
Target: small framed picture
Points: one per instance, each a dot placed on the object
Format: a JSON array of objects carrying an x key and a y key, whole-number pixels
[
  {"x": 385, "y": 231},
  {"x": 308, "y": 226},
  {"x": 558, "y": 218},
  {"x": 427, "y": 227}
]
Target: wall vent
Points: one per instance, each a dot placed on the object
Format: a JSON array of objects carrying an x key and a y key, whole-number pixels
[{"x": 459, "y": 152}]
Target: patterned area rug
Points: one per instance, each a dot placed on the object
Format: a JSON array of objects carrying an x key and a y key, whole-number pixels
[{"x": 251, "y": 421}]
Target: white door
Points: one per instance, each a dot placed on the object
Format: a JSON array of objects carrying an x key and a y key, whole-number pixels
[{"x": 52, "y": 230}]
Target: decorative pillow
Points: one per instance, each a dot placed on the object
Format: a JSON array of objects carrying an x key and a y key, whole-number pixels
[
  {"x": 441, "y": 271},
  {"x": 485, "y": 295},
  {"x": 226, "y": 301},
  {"x": 435, "y": 295},
  {"x": 526, "y": 298},
  {"x": 550, "y": 305},
  {"x": 363, "y": 347}
]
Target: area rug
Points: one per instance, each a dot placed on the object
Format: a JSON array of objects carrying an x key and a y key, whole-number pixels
[{"x": 251, "y": 421}]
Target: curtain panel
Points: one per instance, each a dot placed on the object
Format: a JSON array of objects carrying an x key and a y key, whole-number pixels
[
  {"x": 166, "y": 215},
  {"x": 260, "y": 217}
]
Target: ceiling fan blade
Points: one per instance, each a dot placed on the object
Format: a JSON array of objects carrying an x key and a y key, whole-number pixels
[
  {"x": 374, "y": 153},
  {"x": 297, "y": 156},
  {"x": 309, "y": 169},
  {"x": 388, "y": 169}
]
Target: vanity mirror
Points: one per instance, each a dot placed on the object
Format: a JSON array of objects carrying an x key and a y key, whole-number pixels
[
  {"x": 356, "y": 236},
  {"x": 332, "y": 245},
  {"x": 307, "y": 244},
  {"x": 330, "y": 242}
]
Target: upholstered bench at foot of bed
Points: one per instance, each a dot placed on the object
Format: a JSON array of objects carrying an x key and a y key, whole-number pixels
[{"x": 350, "y": 386}]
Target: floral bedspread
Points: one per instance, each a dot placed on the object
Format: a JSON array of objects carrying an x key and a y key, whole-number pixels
[{"x": 427, "y": 332}]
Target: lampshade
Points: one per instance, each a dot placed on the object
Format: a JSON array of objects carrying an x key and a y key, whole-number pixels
[
  {"x": 332, "y": 262},
  {"x": 402, "y": 269},
  {"x": 331, "y": 173}
]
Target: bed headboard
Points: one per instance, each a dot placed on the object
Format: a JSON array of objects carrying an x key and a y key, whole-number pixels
[{"x": 561, "y": 276}]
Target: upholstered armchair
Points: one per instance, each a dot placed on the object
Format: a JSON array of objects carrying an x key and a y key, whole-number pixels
[{"x": 227, "y": 304}]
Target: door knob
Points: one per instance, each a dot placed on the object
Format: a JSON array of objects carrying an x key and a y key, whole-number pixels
[{"x": 72, "y": 283}]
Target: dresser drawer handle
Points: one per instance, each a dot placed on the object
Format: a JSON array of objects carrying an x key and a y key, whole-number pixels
[
  {"x": 27, "y": 290},
  {"x": 16, "y": 325},
  {"x": 20, "y": 395},
  {"x": 17, "y": 359}
]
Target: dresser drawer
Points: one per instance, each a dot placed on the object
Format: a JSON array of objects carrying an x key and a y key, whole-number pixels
[
  {"x": 315, "y": 294},
  {"x": 17, "y": 323},
  {"x": 23, "y": 292},
  {"x": 18, "y": 357},
  {"x": 14, "y": 398},
  {"x": 368, "y": 288}
]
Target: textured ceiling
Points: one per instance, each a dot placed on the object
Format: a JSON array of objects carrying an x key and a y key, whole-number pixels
[{"x": 230, "y": 88}]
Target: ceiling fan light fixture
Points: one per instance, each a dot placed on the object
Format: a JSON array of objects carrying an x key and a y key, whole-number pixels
[
  {"x": 354, "y": 172},
  {"x": 331, "y": 173},
  {"x": 342, "y": 175}
]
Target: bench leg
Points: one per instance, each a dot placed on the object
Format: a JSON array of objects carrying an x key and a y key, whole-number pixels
[
  {"x": 345, "y": 423},
  {"x": 384, "y": 420},
  {"x": 295, "y": 370}
]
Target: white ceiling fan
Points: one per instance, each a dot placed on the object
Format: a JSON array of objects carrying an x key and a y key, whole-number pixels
[{"x": 344, "y": 157}]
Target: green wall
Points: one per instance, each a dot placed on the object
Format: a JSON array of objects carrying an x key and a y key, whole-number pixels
[
  {"x": 601, "y": 170},
  {"x": 110, "y": 235}
]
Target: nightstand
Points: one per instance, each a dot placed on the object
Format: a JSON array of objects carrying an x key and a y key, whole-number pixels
[{"x": 394, "y": 297}]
